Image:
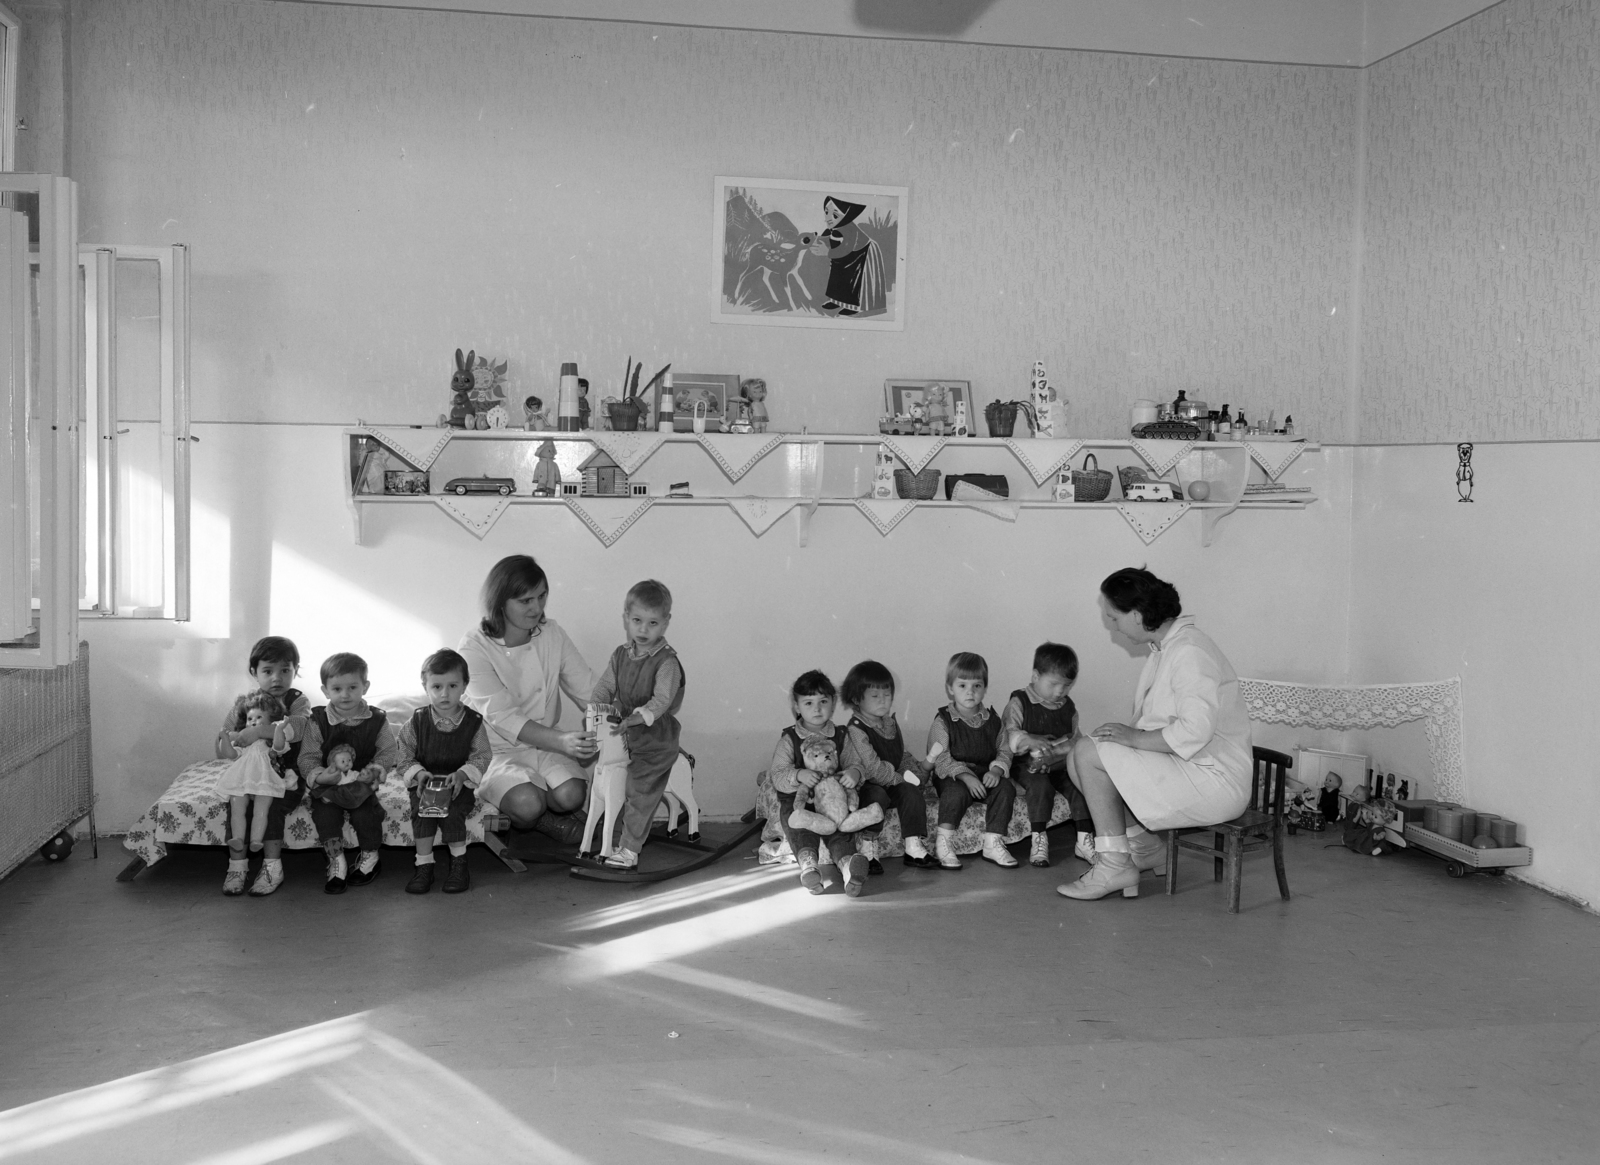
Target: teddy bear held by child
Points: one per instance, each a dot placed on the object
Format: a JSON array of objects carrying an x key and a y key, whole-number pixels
[{"x": 835, "y": 808}]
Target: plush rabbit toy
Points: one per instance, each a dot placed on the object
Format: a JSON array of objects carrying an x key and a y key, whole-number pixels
[
  {"x": 835, "y": 806},
  {"x": 461, "y": 413}
]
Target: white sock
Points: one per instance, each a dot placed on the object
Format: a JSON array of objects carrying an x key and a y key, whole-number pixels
[
  {"x": 368, "y": 859},
  {"x": 1111, "y": 845},
  {"x": 240, "y": 864},
  {"x": 425, "y": 859},
  {"x": 915, "y": 848},
  {"x": 458, "y": 849},
  {"x": 273, "y": 864},
  {"x": 869, "y": 848}
]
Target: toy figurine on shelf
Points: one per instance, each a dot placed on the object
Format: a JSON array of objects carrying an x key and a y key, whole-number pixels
[
  {"x": 537, "y": 419},
  {"x": 460, "y": 401},
  {"x": 938, "y": 405},
  {"x": 546, "y": 476},
  {"x": 583, "y": 403},
  {"x": 741, "y": 422},
  {"x": 754, "y": 390},
  {"x": 919, "y": 419}
]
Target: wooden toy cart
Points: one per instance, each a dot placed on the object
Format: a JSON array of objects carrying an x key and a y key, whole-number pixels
[{"x": 1461, "y": 860}]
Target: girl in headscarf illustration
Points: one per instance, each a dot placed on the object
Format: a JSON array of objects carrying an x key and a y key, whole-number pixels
[{"x": 856, "y": 279}]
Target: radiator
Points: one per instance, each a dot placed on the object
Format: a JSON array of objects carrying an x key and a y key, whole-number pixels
[{"x": 46, "y": 774}]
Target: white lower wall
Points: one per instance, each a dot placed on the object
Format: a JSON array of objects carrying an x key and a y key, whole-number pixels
[
  {"x": 274, "y": 553},
  {"x": 1500, "y": 592}
]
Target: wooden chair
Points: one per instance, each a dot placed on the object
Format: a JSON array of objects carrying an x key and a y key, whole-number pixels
[{"x": 1251, "y": 830}]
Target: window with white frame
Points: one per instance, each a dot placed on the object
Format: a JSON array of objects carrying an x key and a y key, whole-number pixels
[{"x": 136, "y": 423}]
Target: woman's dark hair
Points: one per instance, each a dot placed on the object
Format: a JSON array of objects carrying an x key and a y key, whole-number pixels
[
  {"x": 1135, "y": 589},
  {"x": 510, "y": 578},
  {"x": 869, "y": 673},
  {"x": 813, "y": 683}
]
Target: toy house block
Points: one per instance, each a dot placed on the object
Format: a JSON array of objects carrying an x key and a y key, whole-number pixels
[{"x": 603, "y": 477}]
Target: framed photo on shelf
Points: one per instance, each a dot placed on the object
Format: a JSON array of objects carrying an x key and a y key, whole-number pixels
[
  {"x": 800, "y": 254},
  {"x": 900, "y": 395},
  {"x": 714, "y": 390}
]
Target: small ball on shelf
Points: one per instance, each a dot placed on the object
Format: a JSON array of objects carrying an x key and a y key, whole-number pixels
[{"x": 1199, "y": 491}]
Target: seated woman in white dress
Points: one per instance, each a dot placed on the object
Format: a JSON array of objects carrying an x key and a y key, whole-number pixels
[
  {"x": 521, "y": 663},
  {"x": 1185, "y": 759}
]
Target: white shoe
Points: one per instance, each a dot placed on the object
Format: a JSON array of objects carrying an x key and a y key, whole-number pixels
[
  {"x": 233, "y": 882},
  {"x": 1111, "y": 872},
  {"x": 994, "y": 850},
  {"x": 1085, "y": 847},
  {"x": 1149, "y": 851},
  {"x": 268, "y": 880},
  {"x": 1039, "y": 853},
  {"x": 622, "y": 859},
  {"x": 945, "y": 852}
]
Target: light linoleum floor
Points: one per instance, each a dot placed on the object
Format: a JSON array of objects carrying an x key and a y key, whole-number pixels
[{"x": 1386, "y": 1013}]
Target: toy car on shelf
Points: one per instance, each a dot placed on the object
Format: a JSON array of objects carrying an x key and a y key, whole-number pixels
[
  {"x": 1150, "y": 491},
  {"x": 504, "y": 486}
]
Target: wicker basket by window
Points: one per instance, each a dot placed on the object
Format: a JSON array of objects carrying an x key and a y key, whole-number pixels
[
  {"x": 1090, "y": 485},
  {"x": 917, "y": 487}
]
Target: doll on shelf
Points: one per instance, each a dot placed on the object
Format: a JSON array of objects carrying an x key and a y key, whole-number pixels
[
  {"x": 257, "y": 771},
  {"x": 536, "y": 418},
  {"x": 546, "y": 475},
  {"x": 754, "y": 390}
]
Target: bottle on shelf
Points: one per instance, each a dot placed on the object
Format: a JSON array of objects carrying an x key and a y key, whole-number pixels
[
  {"x": 1288, "y": 425},
  {"x": 1224, "y": 424},
  {"x": 1178, "y": 403},
  {"x": 1241, "y": 427}
]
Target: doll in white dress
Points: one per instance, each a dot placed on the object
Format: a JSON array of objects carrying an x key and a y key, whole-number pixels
[{"x": 258, "y": 771}]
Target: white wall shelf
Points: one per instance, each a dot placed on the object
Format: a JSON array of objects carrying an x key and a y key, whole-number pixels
[{"x": 1224, "y": 465}]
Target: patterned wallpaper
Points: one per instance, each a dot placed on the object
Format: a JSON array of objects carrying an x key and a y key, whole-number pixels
[
  {"x": 364, "y": 190},
  {"x": 1481, "y": 269}
]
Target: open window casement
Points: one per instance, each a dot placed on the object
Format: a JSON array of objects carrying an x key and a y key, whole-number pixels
[
  {"x": 41, "y": 341},
  {"x": 136, "y": 407}
]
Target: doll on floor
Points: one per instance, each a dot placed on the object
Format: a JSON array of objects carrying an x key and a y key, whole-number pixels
[{"x": 258, "y": 770}]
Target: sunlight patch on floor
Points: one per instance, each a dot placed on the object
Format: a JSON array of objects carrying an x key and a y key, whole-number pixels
[
  {"x": 877, "y": 1146},
  {"x": 383, "y": 1091},
  {"x": 673, "y": 940},
  {"x": 774, "y": 997},
  {"x": 681, "y": 898}
]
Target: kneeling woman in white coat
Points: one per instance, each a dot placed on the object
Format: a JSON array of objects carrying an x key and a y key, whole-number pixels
[{"x": 1185, "y": 759}]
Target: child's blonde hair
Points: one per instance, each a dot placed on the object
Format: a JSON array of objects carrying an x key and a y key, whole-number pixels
[
  {"x": 651, "y": 595},
  {"x": 966, "y": 665}
]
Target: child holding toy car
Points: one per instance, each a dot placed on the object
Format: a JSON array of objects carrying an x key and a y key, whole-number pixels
[
  {"x": 644, "y": 680},
  {"x": 812, "y": 701},
  {"x": 443, "y": 753}
]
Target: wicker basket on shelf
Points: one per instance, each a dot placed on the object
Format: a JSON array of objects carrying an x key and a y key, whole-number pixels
[
  {"x": 916, "y": 487},
  {"x": 1090, "y": 485}
]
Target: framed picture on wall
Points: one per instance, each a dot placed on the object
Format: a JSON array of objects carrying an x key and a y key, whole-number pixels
[
  {"x": 799, "y": 254},
  {"x": 713, "y": 390}
]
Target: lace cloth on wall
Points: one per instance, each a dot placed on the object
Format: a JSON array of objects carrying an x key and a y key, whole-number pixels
[{"x": 1437, "y": 704}]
